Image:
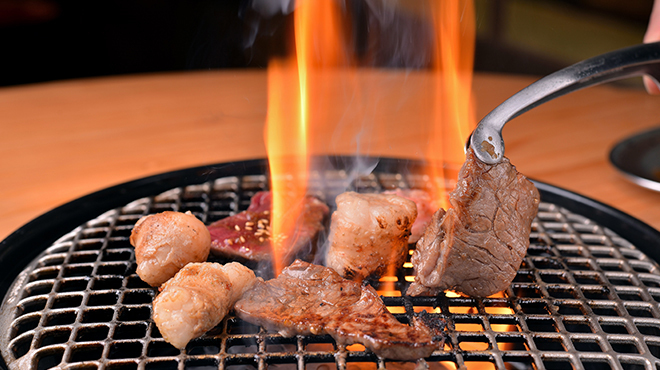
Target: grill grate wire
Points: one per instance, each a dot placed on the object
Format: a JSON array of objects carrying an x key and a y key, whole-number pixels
[{"x": 583, "y": 298}]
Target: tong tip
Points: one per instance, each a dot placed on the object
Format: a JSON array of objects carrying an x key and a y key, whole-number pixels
[{"x": 488, "y": 148}]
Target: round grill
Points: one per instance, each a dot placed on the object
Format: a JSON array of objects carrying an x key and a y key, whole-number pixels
[{"x": 584, "y": 296}]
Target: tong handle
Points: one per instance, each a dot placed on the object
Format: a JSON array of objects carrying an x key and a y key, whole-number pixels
[{"x": 644, "y": 59}]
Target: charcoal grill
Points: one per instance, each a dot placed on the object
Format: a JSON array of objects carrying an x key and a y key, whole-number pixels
[{"x": 586, "y": 295}]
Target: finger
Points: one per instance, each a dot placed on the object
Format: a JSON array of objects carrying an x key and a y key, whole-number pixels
[{"x": 651, "y": 86}]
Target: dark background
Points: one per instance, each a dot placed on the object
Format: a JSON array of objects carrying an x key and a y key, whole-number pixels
[
  {"x": 45, "y": 40},
  {"x": 65, "y": 39}
]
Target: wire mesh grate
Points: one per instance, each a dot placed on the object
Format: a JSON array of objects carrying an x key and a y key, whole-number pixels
[{"x": 583, "y": 298}]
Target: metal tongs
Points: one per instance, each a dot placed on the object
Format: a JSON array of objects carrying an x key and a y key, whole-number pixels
[{"x": 486, "y": 140}]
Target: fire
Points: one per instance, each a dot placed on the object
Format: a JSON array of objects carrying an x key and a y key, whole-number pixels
[
  {"x": 292, "y": 86},
  {"x": 287, "y": 152},
  {"x": 319, "y": 37},
  {"x": 300, "y": 86},
  {"x": 453, "y": 116},
  {"x": 323, "y": 70}
]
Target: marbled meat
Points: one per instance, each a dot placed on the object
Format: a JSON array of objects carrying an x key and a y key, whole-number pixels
[
  {"x": 476, "y": 247},
  {"x": 309, "y": 299},
  {"x": 246, "y": 235}
]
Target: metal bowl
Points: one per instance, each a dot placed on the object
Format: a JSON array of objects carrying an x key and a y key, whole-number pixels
[{"x": 638, "y": 158}]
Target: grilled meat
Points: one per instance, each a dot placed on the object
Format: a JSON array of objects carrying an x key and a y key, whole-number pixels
[
  {"x": 246, "y": 235},
  {"x": 197, "y": 298},
  {"x": 476, "y": 246},
  {"x": 167, "y": 241},
  {"x": 310, "y": 299},
  {"x": 369, "y": 234},
  {"x": 425, "y": 209}
]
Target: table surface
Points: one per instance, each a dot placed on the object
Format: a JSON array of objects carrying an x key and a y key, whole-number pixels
[{"x": 63, "y": 140}]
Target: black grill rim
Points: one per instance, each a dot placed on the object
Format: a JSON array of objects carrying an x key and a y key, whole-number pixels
[{"x": 26, "y": 243}]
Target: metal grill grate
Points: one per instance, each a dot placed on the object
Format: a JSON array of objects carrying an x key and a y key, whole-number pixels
[{"x": 583, "y": 298}]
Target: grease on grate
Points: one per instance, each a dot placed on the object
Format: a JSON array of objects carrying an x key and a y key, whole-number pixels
[{"x": 583, "y": 297}]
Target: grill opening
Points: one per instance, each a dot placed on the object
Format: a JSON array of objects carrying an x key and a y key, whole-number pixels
[{"x": 584, "y": 297}]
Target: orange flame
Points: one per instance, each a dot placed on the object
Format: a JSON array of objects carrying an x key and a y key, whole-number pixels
[
  {"x": 286, "y": 144},
  {"x": 454, "y": 117},
  {"x": 318, "y": 35},
  {"x": 298, "y": 98},
  {"x": 292, "y": 86}
]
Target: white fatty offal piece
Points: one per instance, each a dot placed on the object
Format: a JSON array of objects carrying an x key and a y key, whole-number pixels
[
  {"x": 369, "y": 234},
  {"x": 197, "y": 298},
  {"x": 167, "y": 241}
]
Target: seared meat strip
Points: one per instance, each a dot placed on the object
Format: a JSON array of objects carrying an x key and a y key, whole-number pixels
[
  {"x": 310, "y": 299},
  {"x": 476, "y": 247},
  {"x": 369, "y": 234},
  {"x": 246, "y": 235}
]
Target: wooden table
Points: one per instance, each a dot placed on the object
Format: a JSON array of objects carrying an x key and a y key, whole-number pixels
[{"x": 62, "y": 140}]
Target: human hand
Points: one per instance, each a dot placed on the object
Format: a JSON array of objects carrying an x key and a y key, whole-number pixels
[{"x": 652, "y": 35}]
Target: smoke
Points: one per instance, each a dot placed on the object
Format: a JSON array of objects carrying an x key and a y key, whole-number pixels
[
  {"x": 397, "y": 35},
  {"x": 381, "y": 34},
  {"x": 384, "y": 33},
  {"x": 269, "y": 8},
  {"x": 352, "y": 170}
]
